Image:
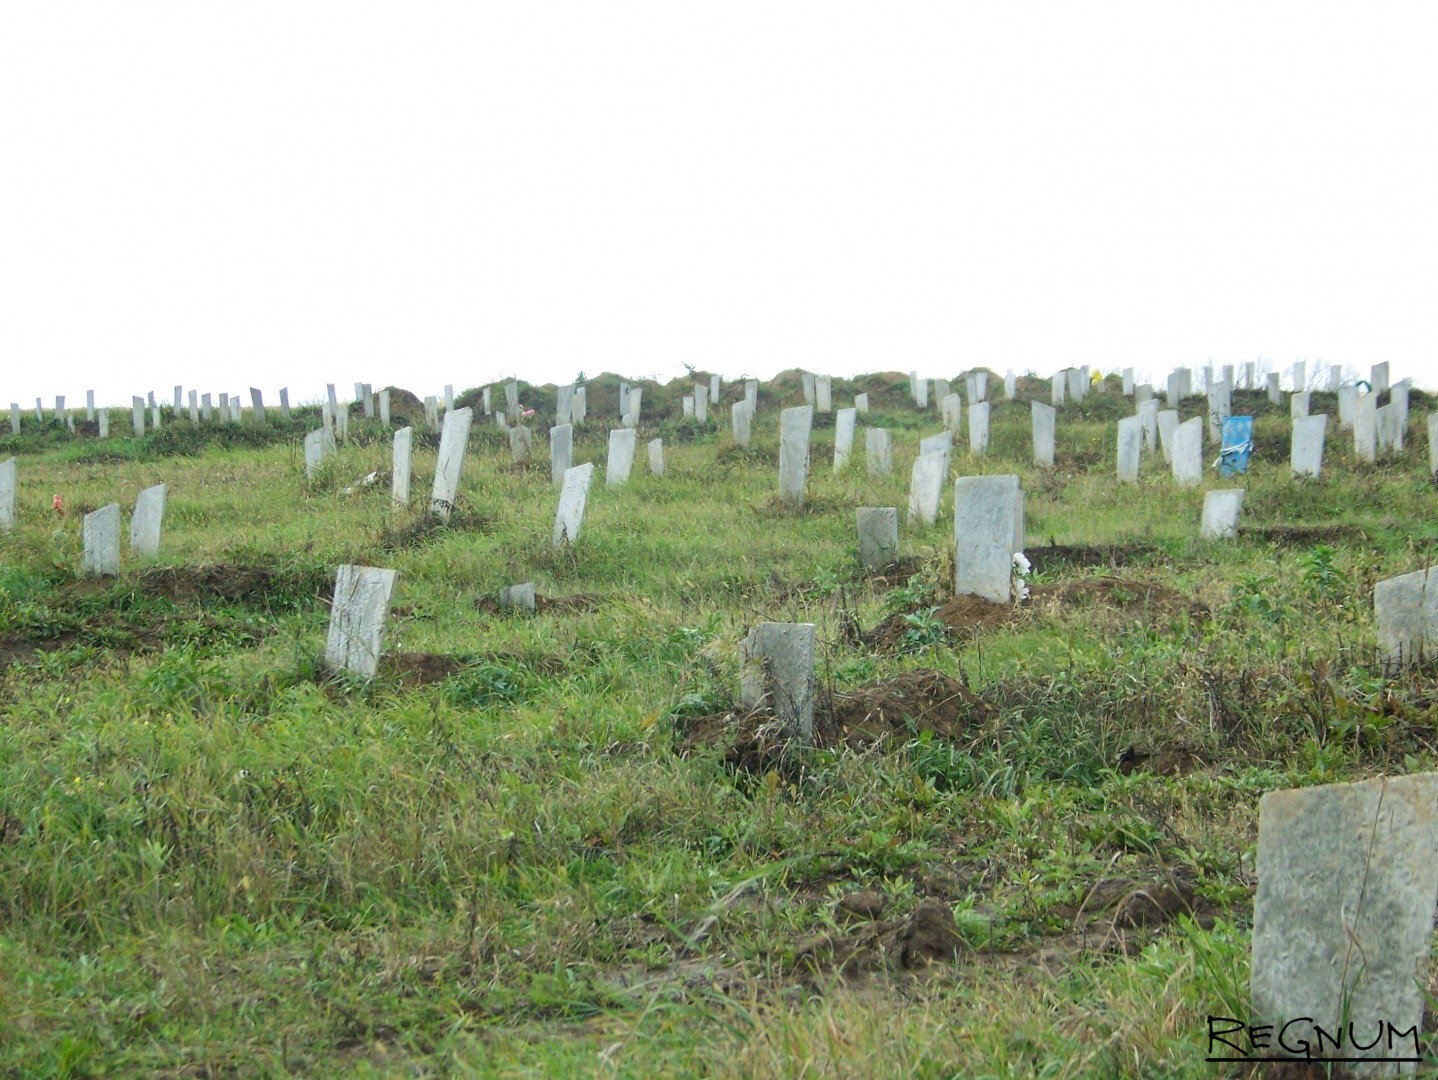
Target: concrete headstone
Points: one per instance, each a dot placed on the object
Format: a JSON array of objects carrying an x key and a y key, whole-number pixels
[
  {"x": 100, "y": 532},
  {"x": 979, "y": 428},
  {"x": 561, "y": 452},
  {"x": 1043, "y": 419},
  {"x": 988, "y": 512},
  {"x": 794, "y": 427},
  {"x": 656, "y": 456},
  {"x": 879, "y": 451},
  {"x": 147, "y": 522},
  {"x": 401, "y": 464},
  {"x": 1188, "y": 453},
  {"x": 8, "y": 487},
  {"x": 845, "y": 420},
  {"x": 1220, "y": 514},
  {"x": 573, "y": 494},
  {"x": 878, "y": 536},
  {"x": 1130, "y": 447},
  {"x": 358, "y": 614},
  {"x": 1305, "y": 457},
  {"x": 620, "y": 461},
  {"x": 777, "y": 671},
  {"x": 926, "y": 486},
  {"x": 453, "y": 440}
]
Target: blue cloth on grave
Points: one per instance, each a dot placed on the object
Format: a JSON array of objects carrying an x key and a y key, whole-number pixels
[{"x": 1236, "y": 445}]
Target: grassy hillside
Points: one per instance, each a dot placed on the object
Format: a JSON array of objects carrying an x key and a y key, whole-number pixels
[{"x": 551, "y": 845}]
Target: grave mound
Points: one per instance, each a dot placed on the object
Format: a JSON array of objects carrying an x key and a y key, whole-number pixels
[
  {"x": 965, "y": 616},
  {"x": 1301, "y": 535},
  {"x": 256, "y": 585},
  {"x": 904, "y": 706},
  {"x": 576, "y": 604},
  {"x": 1055, "y": 556}
]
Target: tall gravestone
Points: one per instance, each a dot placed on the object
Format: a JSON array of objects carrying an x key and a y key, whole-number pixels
[
  {"x": 777, "y": 671},
  {"x": 147, "y": 522},
  {"x": 1305, "y": 456},
  {"x": 284, "y": 402},
  {"x": 1220, "y": 408},
  {"x": 90, "y": 405},
  {"x": 1275, "y": 392},
  {"x": 879, "y": 451},
  {"x": 656, "y": 456},
  {"x": 1148, "y": 420},
  {"x": 1167, "y": 432},
  {"x": 714, "y": 386},
  {"x": 823, "y": 394},
  {"x": 137, "y": 415},
  {"x": 1343, "y": 921},
  {"x": 1378, "y": 379},
  {"x": 453, "y": 440},
  {"x": 1433, "y": 443},
  {"x": 636, "y": 402},
  {"x": 564, "y": 406},
  {"x": 1043, "y": 419},
  {"x": 810, "y": 390},
  {"x": 1188, "y": 453},
  {"x": 195, "y": 407},
  {"x": 14, "y": 418},
  {"x": 1300, "y": 377},
  {"x": 1011, "y": 385},
  {"x": 1078, "y": 384},
  {"x": 1298, "y": 405},
  {"x": 921, "y": 393},
  {"x": 620, "y": 461},
  {"x": 100, "y": 533},
  {"x": 8, "y": 487},
  {"x": 1220, "y": 514},
  {"x": 1058, "y": 388},
  {"x": 401, "y": 462},
  {"x": 794, "y": 427},
  {"x": 1126, "y": 376},
  {"x": 431, "y": 413},
  {"x": 941, "y": 390},
  {"x": 951, "y": 410},
  {"x": 579, "y": 408},
  {"x": 878, "y": 536},
  {"x": 740, "y": 416},
  {"x": 1365, "y": 428},
  {"x": 573, "y": 494},
  {"x": 751, "y": 395},
  {"x": 102, "y": 421},
  {"x": 686, "y": 405},
  {"x": 861, "y": 402},
  {"x": 383, "y": 406},
  {"x": 358, "y": 614},
  {"x": 988, "y": 512},
  {"x": 257, "y": 404},
  {"x": 845, "y": 421},
  {"x": 561, "y": 452},
  {"x": 1130, "y": 446},
  {"x": 701, "y": 403},
  {"x": 979, "y": 428},
  {"x": 315, "y": 447}
]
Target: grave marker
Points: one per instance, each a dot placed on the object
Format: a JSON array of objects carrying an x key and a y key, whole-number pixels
[
  {"x": 951, "y": 410},
  {"x": 926, "y": 486},
  {"x": 1378, "y": 379},
  {"x": 1011, "y": 385},
  {"x": 102, "y": 418},
  {"x": 14, "y": 418},
  {"x": 810, "y": 390},
  {"x": 257, "y": 404},
  {"x": 357, "y": 618},
  {"x": 1343, "y": 919},
  {"x": 521, "y": 443},
  {"x": 751, "y": 395},
  {"x": 207, "y": 409},
  {"x": 1130, "y": 445},
  {"x": 823, "y": 394},
  {"x": 878, "y": 536},
  {"x": 1298, "y": 405},
  {"x": 453, "y": 439},
  {"x": 988, "y": 512},
  {"x": 1220, "y": 514},
  {"x": 579, "y": 408},
  {"x": 401, "y": 461},
  {"x": 561, "y": 452},
  {"x": 1433, "y": 443},
  {"x": 572, "y": 496},
  {"x": 739, "y": 417},
  {"x": 777, "y": 670},
  {"x": 147, "y": 522},
  {"x": 1043, "y": 419},
  {"x": 1365, "y": 428},
  {"x": 100, "y": 532},
  {"x": 1059, "y": 388},
  {"x": 90, "y": 405},
  {"x": 8, "y": 486},
  {"x": 1188, "y": 453},
  {"x": 1306, "y": 454},
  {"x": 620, "y": 461},
  {"x": 656, "y": 456},
  {"x": 383, "y": 405},
  {"x": 1275, "y": 394},
  {"x": 845, "y": 421},
  {"x": 794, "y": 427},
  {"x": 1167, "y": 432},
  {"x": 1148, "y": 420},
  {"x": 137, "y": 415},
  {"x": 518, "y": 596},
  {"x": 979, "y": 428},
  {"x": 861, "y": 402},
  {"x": 879, "y": 451}
]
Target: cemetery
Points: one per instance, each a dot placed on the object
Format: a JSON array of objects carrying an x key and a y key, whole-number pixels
[{"x": 416, "y": 730}]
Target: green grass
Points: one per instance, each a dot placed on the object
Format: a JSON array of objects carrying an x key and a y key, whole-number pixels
[{"x": 219, "y": 860}]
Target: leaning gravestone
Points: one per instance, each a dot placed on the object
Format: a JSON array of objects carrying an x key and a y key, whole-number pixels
[
  {"x": 1188, "y": 453},
  {"x": 284, "y": 402},
  {"x": 8, "y": 486},
  {"x": 777, "y": 670},
  {"x": 561, "y": 452},
  {"x": 1220, "y": 514},
  {"x": 402, "y": 461},
  {"x": 979, "y": 428},
  {"x": 656, "y": 456},
  {"x": 357, "y": 617},
  {"x": 926, "y": 486},
  {"x": 1343, "y": 919},
  {"x": 878, "y": 536},
  {"x": 879, "y": 451},
  {"x": 1130, "y": 445},
  {"x": 988, "y": 514},
  {"x": 844, "y": 423},
  {"x": 1405, "y": 609},
  {"x": 1306, "y": 454},
  {"x": 101, "y": 534},
  {"x": 1043, "y": 419},
  {"x": 453, "y": 439},
  {"x": 257, "y": 403},
  {"x": 794, "y": 427},
  {"x": 518, "y": 596},
  {"x": 147, "y": 522},
  {"x": 620, "y": 461},
  {"x": 572, "y": 497},
  {"x": 941, "y": 391}
]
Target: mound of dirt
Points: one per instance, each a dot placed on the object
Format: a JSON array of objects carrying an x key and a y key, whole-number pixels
[
  {"x": 906, "y": 705},
  {"x": 256, "y": 585},
  {"x": 896, "y": 574},
  {"x": 1055, "y": 556},
  {"x": 1300, "y": 535},
  {"x": 577, "y": 604},
  {"x": 409, "y": 669},
  {"x": 925, "y": 936},
  {"x": 965, "y": 616}
]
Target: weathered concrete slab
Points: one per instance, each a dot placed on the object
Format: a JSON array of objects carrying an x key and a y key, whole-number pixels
[
  {"x": 988, "y": 512},
  {"x": 1305, "y": 456},
  {"x": 453, "y": 440},
  {"x": 620, "y": 462},
  {"x": 402, "y": 465},
  {"x": 878, "y": 536},
  {"x": 777, "y": 671},
  {"x": 1220, "y": 514},
  {"x": 879, "y": 451},
  {"x": 1043, "y": 418},
  {"x": 358, "y": 614},
  {"x": 148, "y": 520},
  {"x": 794, "y": 428},
  {"x": 573, "y": 495},
  {"x": 100, "y": 533}
]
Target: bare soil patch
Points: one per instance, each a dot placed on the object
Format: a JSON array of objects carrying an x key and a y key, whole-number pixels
[
  {"x": 1300, "y": 535},
  {"x": 904, "y": 706},
  {"x": 254, "y": 585},
  {"x": 966, "y": 616},
  {"x": 1056, "y": 556}
]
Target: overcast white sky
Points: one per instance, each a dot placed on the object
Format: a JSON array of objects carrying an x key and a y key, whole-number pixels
[{"x": 293, "y": 193}]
